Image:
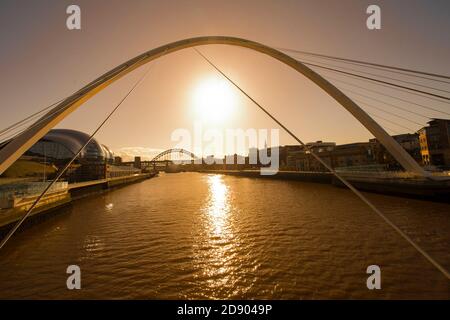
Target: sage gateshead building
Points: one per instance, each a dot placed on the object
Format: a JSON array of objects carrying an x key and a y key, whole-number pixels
[{"x": 59, "y": 146}]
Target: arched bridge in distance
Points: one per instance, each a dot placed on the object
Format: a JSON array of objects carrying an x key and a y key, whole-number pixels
[
  {"x": 170, "y": 152},
  {"x": 21, "y": 143},
  {"x": 163, "y": 160}
]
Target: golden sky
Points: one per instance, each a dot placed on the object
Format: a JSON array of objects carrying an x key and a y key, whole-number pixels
[{"x": 42, "y": 61}]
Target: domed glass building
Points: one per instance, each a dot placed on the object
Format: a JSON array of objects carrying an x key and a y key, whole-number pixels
[
  {"x": 63, "y": 144},
  {"x": 58, "y": 146}
]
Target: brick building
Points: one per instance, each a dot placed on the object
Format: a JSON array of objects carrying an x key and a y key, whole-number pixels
[{"x": 434, "y": 141}]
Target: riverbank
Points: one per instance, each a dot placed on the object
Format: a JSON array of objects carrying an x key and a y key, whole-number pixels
[
  {"x": 398, "y": 184},
  {"x": 60, "y": 198}
]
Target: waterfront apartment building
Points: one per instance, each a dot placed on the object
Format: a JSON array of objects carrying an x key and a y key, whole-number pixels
[
  {"x": 336, "y": 156},
  {"x": 298, "y": 158},
  {"x": 409, "y": 142},
  {"x": 434, "y": 141},
  {"x": 353, "y": 155}
]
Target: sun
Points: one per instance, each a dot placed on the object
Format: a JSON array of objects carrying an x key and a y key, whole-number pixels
[{"x": 214, "y": 100}]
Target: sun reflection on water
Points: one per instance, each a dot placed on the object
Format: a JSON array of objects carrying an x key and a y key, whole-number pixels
[
  {"x": 218, "y": 206},
  {"x": 218, "y": 258}
]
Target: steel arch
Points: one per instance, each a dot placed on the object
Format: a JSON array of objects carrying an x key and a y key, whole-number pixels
[
  {"x": 19, "y": 145},
  {"x": 169, "y": 151}
]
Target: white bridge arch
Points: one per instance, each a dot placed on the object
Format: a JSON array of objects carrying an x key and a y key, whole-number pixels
[{"x": 20, "y": 144}]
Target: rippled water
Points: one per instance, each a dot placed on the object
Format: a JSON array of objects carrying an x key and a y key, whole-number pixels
[{"x": 192, "y": 235}]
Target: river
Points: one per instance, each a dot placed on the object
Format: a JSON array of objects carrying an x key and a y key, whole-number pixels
[{"x": 210, "y": 236}]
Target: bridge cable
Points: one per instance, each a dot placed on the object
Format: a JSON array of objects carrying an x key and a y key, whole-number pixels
[
  {"x": 344, "y": 181},
  {"x": 45, "y": 117},
  {"x": 364, "y": 103},
  {"x": 395, "y": 132},
  {"x": 379, "y": 81},
  {"x": 386, "y": 70},
  {"x": 23, "y": 122},
  {"x": 379, "y": 69},
  {"x": 343, "y": 89},
  {"x": 306, "y": 61},
  {"x": 390, "y": 96},
  {"x": 40, "y": 120},
  {"x": 27, "y": 214},
  {"x": 34, "y": 124},
  {"x": 26, "y": 119},
  {"x": 367, "y": 104},
  {"x": 390, "y": 87},
  {"x": 390, "y": 121},
  {"x": 367, "y": 63}
]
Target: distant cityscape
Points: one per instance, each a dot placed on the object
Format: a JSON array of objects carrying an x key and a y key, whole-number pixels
[{"x": 429, "y": 146}]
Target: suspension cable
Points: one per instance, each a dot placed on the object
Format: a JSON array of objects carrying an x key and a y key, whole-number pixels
[
  {"x": 344, "y": 181},
  {"x": 385, "y": 111},
  {"x": 394, "y": 88},
  {"x": 379, "y": 81},
  {"x": 387, "y": 95},
  {"x": 383, "y": 102},
  {"x": 367, "y": 63},
  {"x": 390, "y": 129},
  {"x": 390, "y": 121},
  {"x": 26, "y": 119},
  {"x": 386, "y": 70},
  {"x": 47, "y": 116},
  {"x": 27, "y": 214},
  {"x": 11, "y": 136},
  {"x": 372, "y": 74}
]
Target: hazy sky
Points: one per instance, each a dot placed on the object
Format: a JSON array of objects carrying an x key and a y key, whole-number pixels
[{"x": 42, "y": 61}]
